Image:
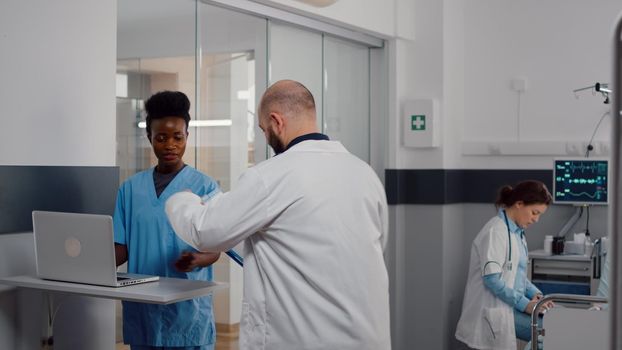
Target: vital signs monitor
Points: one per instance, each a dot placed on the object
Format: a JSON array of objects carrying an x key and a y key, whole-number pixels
[{"x": 581, "y": 181}]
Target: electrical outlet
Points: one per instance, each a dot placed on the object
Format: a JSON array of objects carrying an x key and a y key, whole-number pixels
[
  {"x": 573, "y": 149},
  {"x": 494, "y": 149},
  {"x": 519, "y": 84}
]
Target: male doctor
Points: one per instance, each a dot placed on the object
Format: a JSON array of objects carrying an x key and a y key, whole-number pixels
[{"x": 314, "y": 224}]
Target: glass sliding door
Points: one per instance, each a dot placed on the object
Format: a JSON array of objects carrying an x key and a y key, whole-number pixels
[
  {"x": 336, "y": 72},
  {"x": 217, "y": 57},
  {"x": 346, "y": 95},
  {"x": 296, "y": 54},
  {"x": 231, "y": 73},
  {"x": 211, "y": 55},
  {"x": 155, "y": 52},
  {"x": 223, "y": 60},
  {"x": 231, "y": 64}
]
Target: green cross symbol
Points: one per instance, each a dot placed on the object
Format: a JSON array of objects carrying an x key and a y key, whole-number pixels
[{"x": 417, "y": 122}]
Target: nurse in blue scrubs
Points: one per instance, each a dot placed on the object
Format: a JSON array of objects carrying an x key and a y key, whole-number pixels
[{"x": 145, "y": 239}]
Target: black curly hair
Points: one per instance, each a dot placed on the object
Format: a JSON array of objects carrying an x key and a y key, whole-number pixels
[{"x": 167, "y": 104}]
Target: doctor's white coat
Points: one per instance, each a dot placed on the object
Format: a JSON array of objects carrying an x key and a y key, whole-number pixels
[
  {"x": 487, "y": 322},
  {"x": 314, "y": 223}
]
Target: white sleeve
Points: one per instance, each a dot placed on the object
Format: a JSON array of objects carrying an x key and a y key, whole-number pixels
[
  {"x": 224, "y": 220},
  {"x": 384, "y": 217},
  {"x": 493, "y": 250}
]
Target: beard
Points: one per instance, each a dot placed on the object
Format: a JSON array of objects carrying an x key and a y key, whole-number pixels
[{"x": 274, "y": 142}]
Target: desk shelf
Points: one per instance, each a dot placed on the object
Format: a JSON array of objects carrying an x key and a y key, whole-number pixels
[{"x": 164, "y": 291}]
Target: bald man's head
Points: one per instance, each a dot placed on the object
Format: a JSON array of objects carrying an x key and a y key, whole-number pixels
[{"x": 289, "y": 98}]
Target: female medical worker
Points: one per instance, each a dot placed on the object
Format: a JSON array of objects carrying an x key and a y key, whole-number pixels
[
  {"x": 145, "y": 239},
  {"x": 499, "y": 298}
]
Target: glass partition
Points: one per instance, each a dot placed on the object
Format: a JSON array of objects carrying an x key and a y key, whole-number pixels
[
  {"x": 151, "y": 56},
  {"x": 217, "y": 57},
  {"x": 210, "y": 54},
  {"x": 296, "y": 54},
  {"x": 346, "y": 95},
  {"x": 232, "y": 62},
  {"x": 336, "y": 72}
]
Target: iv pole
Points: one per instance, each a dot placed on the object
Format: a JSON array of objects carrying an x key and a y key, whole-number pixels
[
  {"x": 615, "y": 209},
  {"x": 604, "y": 90}
]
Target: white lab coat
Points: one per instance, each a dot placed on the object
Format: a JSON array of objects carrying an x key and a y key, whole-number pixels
[
  {"x": 314, "y": 220},
  {"x": 486, "y": 321}
]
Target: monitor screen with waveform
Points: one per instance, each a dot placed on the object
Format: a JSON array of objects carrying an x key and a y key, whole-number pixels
[{"x": 581, "y": 181}]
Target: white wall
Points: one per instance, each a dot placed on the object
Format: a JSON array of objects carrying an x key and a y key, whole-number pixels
[
  {"x": 57, "y": 63},
  {"x": 557, "y": 46},
  {"x": 56, "y": 90},
  {"x": 417, "y": 72},
  {"x": 467, "y": 56},
  {"x": 454, "y": 86}
]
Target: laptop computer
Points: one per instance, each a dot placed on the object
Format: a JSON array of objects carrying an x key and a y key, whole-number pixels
[{"x": 78, "y": 248}]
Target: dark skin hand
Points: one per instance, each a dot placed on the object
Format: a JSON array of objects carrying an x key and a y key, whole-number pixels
[
  {"x": 188, "y": 261},
  {"x": 120, "y": 253}
]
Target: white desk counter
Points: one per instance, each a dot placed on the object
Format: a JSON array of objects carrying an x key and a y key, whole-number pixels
[{"x": 164, "y": 291}]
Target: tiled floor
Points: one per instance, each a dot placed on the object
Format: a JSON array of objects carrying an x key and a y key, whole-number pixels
[{"x": 227, "y": 341}]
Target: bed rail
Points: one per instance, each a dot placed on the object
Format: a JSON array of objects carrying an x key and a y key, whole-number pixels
[{"x": 572, "y": 298}]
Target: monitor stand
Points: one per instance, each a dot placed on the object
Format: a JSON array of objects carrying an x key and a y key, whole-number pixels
[{"x": 572, "y": 221}]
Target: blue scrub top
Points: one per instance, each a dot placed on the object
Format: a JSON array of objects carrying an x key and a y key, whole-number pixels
[{"x": 141, "y": 224}]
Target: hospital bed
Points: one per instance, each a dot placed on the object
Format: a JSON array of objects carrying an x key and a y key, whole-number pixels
[{"x": 573, "y": 327}]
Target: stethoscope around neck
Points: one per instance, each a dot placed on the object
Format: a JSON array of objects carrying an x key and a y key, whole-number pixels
[{"x": 507, "y": 225}]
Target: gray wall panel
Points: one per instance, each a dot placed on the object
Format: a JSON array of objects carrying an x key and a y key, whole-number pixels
[
  {"x": 446, "y": 186},
  {"x": 56, "y": 188},
  {"x": 23, "y": 311},
  {"x": 455, "y": 253},
  {"x": 423, "y": 277}
]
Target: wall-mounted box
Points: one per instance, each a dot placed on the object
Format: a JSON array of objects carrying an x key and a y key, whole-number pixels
[{"x": 420, "y": 126}]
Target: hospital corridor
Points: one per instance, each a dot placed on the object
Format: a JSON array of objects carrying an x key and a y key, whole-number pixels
[{"x": 310, "y": 174}]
